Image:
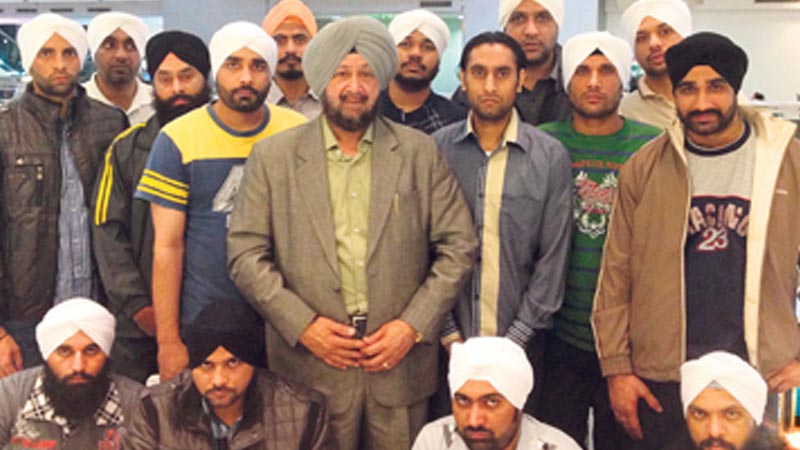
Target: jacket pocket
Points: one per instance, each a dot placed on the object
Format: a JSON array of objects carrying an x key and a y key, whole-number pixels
[{"x": 24, "y": 184}]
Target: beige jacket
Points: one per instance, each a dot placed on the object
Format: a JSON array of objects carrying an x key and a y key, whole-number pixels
[{"x": 639, "y": 313}]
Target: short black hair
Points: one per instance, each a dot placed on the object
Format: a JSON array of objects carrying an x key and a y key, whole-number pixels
[{"x": 494, "y": 37}]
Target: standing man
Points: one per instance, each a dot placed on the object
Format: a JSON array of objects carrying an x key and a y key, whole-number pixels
[
  {"x": 702, "y": 246},
  {"x": 652, "y": 27},
  {"x": 292, "y": 25},
  {"x": 517, "y": 183},
  {"x": 421, "y": 37},
  {"x": 599, "y": 141},
  {"x": 191, "y": 177},
  {"x": 178, "y": 63},
  {"x": 52, "y": 141},
  {"x": 351, "y": 237},
  {"x": 72, "y": 402},
  {"x": 116, "y": 42}
]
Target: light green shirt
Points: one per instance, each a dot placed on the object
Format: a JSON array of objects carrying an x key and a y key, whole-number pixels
[{"x": 349, "y": 179}]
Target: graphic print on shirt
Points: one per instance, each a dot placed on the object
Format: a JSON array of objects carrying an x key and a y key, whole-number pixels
[
  {"x": 592, "y": 203},
  {"x": 715, "y": 221},
  {"x": 223, "y": 200}
]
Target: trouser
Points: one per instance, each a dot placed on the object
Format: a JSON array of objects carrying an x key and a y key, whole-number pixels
[
  {"x": 665, "y": 429},
  {"x": 136, "y": 358},
  {"x": 368, "y": 425},
  {"x": 571, "y": 385},
  {"x": 535, "y": 352},
  {"x": 25, "y": 336}
]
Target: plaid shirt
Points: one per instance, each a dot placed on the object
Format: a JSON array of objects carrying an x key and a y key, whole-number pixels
[{"x": 39, "y": 408}]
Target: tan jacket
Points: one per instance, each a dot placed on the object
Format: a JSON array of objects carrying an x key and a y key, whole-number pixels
[
  {"x": 282, "y": 253},
  {"x": 639, "y": 312}
]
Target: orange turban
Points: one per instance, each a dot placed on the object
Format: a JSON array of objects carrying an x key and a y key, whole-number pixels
[{"x": 289, "y": 9}]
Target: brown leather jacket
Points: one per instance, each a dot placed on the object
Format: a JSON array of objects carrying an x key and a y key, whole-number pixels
[{"x": 278, "y": 415}]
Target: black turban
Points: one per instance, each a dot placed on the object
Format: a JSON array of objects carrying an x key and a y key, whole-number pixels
[
  {"x": 231, "y": 324},
  {"x": 707, "y": 49},
  {"x": 188, "y": 47}
]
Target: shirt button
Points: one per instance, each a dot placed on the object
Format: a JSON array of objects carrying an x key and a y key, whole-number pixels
[
  {"x": 359, "y": 263},
  {"x": 353, "y": 194}
]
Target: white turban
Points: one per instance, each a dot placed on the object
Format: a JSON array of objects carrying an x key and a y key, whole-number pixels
[
  {"x": 424, "y": 21},
  {"x": 103, "y": 25},
  {"x": 34, "y": 34},
  {"x": 674, "y": 13},
  {"x": 238, "y": 35},
  {"x": 556, "y": 8},
  {"x": 70, "y": 316},
  {"x": 580, "y": 47},
  {"x": 736, "y": 376},
  {"x": 497, "y": 360}
]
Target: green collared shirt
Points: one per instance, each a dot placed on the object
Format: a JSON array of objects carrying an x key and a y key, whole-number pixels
[{"x": 350, "y": 179}]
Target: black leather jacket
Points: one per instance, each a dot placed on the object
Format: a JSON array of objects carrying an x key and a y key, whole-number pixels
[{"x": 31, "y": 132}]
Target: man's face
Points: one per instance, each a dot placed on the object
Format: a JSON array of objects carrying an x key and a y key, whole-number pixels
[
  {"x": 55, "y": 69},
  {"x": 419, "y": 62},
  {"x": 243, "y": 81},
  {"x": 350, "y": 100},
  {"x": 178, "y": 88},
  {"x": 223, "y": 379},
  {"x": 292, "y": 39},
  {"x": 595, "y": 89},
  {"x": 653, "y": 39},
  {"x": 532, "y": 25},
  {"x": 491, "y": 81},
  {"x": 717, "y": 421},
  {"x": 484, "y": 418},
  {"x": 706, "y": 102},
  {"x": 117, "y": 59}
]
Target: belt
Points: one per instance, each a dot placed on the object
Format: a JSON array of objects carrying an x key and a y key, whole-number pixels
[{"x": 359, "y": 322}]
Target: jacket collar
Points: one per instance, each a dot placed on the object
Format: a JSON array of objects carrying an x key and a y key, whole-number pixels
[
  {"x": 189, "y": 413},
  {"x": 48, "y": 111}
]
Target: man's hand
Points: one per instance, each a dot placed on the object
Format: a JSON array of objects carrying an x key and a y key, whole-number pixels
[
  {"x": 10, "y": 356},
  {"x": 173, "y": 357},
  {"x": 624, "y": 392},
  {"x": 332, "y": 342},
  {"x": 145, "y": 319},
  {"x": 387, "y": 346},
  {"x": 783, "y": 379}
]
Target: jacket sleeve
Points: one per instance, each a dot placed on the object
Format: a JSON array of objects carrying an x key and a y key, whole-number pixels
[
  {"x": 453, "y": 244},
  {"x": 545, "y": 291},
  {"x": 251, "y": 255},
  {"x": 111, "y": 234},
  {"x": 320, "y": 430},
  {"x": 142, "y": 430},
  {"x": 612, "y": 299}
]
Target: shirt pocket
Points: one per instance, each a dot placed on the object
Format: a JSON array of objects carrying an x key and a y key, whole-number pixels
[{"x": 24, "y": 184}]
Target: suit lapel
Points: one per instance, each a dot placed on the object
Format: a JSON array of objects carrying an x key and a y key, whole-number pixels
[
  {"x": 386, "y": 165},
  {"x": 312, "y": 179}
]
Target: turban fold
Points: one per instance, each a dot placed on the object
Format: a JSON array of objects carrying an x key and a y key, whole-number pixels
[
  {"x": 674, "y": 13},
  {"x": 188, "y": 47},
  {"x": 730, "y": 372},
  {"x": 497, "y": 360},
  {"x": 707, "y": 49},
  {"x": 237, "y": 35},
  {"x": 71, "y": 316},
  {"x": 34, "y": 34},
  {"x": 289, "y": 9},
  {"x": 555, "y": 7},
  {"x": 424, "y": 21},
  {"x": 363, "y": 34},
  {"x": 228, "y": 323},
  {"x": 580, "y": 47},
  {"x": 103, "y": 25}
]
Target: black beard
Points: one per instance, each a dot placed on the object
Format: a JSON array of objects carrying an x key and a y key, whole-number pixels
[
  {"x": 291, "y": 74},
  {"x": 335, "y": 116},
  {"x": 166, "y": 112},
  {"x": 76, "y": 401},
  {"x": 415, "y": 84}
]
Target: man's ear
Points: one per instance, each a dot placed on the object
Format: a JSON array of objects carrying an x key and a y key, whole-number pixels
[
  {"x": 521, "y": 80},
  {"x": 461, "y": 78}
]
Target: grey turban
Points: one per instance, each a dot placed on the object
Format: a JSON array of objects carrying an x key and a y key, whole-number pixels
[{"x": 367, "y": 36}]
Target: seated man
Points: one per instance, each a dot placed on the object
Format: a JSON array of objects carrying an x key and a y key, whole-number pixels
[
  {"x": 71, "y": 402},
  {"x": 723, "y": 400},
  {"x": 223, "y": 401},
  {"x": 490, "y": 378}
]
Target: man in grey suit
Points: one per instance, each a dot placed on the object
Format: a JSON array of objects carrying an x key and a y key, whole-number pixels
[{"x": 351, "y": 237}]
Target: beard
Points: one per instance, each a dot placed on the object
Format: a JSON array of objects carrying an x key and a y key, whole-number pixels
[
  {"x": 715, "y": 442},
  {"x": 492, "y": 442},
  {"x": 724, "y": 120},
  {"x": 243, "y": 105},
  {"x": 167, "y": 111},
  {"x": 293, "y": 72},
  {"x": 76, "y": 401},
  {"x": 336, "y": 117},
  {"x": 410, "y": 84}
]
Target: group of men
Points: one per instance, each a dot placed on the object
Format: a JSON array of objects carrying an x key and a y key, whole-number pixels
[{"x": 392, "y": 245}]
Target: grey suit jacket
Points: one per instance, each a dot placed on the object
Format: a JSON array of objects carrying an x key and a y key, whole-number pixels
[{"x": 282, "y": 253}]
